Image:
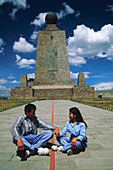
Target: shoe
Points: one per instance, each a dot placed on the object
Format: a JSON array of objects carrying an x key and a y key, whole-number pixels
[
  {"x": 43, "y": 151},
  {"x": 59, "y": 149},
  {"x": 29, "y": 153},
  {"x": 21, "y": 154},
  {"x": 69, "y": 152},
  {"x": 54, "y": 148}
]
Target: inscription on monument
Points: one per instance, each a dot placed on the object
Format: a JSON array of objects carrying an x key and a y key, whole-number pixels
[
  {"x": 52, "y": 76},
  {"x": 52, "y": 60}
]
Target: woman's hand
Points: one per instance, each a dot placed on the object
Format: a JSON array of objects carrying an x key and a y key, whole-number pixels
[
  {"x": 73, "y": 142},
  {"x": 20, "y": 144}
]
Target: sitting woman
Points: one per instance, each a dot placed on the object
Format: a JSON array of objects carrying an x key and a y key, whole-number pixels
[{"x": 76, "y": 126}]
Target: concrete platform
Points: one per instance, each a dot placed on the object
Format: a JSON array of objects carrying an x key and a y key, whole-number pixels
[
  {"x": 53, "y": 87},
  {"x": 98, "y": 155}
]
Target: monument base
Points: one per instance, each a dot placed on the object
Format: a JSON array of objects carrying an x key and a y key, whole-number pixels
[
  {"x": 52, "y": 92},
  {"x": 21, "y": 93}
]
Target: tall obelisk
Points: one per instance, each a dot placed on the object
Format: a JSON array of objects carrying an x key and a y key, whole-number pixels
[{"x": 52, "y": 65}]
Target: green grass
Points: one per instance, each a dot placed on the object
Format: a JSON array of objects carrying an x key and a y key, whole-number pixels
[
  {"x": 104, "y": 103},
  {"x": 8, "y": 104},
  {"x": 105, "y": 93}
]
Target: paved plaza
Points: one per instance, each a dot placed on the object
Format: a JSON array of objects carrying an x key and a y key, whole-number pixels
[{"x": 98, "y": 155}]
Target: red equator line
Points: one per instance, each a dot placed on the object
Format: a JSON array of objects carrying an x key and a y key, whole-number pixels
[{"x": 52, "y": 154}]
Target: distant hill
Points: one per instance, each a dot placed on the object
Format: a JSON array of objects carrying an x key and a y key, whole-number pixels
[
  {"x": 4, "y": 93},
  {"x": 4, "y": 97},
  {"x": 105, "y": 93}
]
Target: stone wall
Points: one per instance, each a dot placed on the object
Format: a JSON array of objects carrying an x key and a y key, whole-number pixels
[
  {"x": 22, "y": 93},
  {"x": 52, "y": 93},
  {"x": 83, "y": 92},
  {"x": 65, "y": 92},
  {"x": 75, "y": 92}
]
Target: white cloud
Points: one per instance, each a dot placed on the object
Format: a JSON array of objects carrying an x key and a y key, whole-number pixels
[
  {"x": 18, "y": 4},
  {"x": 24, "y": 63},
  {"x": 34, "y": 35},
  {"x": 12, "y": 14},
  {"x": 101, "y": 55},
  {"x": 75, "y": 75},
  {"x": 1, "y": 45},
  {"x": 23, "y": 46},
  {"x": 18, "y": 58},
  {"x": 110, "y": 8},
  {"x": 104, "y": 86},
  {"x": 77, "y": 14},
  {"x": 2, "y": 87},
  {"x": 86, "y": 74},
  {"x": 76, "y": 61},
  {"x": 68, "y": 10},
  {"x": 40, "y": 19},
  {"x": 99, "y": 76},
  {"x": 14, "y": 81},
  {"x": 3, "y": 81},
  {"x": 11, "y": 77},
  {"x": 87, "y": 43},
  {"x": 4, "y": 92},
  {"x": 31, "y": 75}
]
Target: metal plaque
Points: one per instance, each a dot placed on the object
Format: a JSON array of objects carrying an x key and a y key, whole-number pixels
[{"x": 52, "y": 60}]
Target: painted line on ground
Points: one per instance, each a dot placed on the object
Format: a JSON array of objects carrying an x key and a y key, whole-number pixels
[{"x": 52, "y": 153}]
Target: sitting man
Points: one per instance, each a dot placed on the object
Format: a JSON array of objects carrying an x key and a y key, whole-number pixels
[{"x": 24, "y": 132}]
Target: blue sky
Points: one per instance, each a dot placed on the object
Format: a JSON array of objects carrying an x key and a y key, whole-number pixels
[{"x": 89, "y": 33}]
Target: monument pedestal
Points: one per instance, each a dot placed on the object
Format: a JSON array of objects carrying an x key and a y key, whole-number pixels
[{"x": 53, "y": 92}]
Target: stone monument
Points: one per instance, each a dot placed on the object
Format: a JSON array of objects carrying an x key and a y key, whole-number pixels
[
  {"x": 52, "y": 66},
  {"x": 52, "y": 73},
  {"x": 81, "y": 79},
  {"x": 23, "y": 80}
]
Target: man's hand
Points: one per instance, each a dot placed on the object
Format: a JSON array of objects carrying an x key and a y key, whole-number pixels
[
  {"x": 56, "y": 132},
  {"x": 20, "y": 144},
  {"x": 73, "y": 142}
]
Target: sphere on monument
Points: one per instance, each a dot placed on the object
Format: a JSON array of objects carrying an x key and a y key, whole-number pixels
[{"x": 51, "y": 18}]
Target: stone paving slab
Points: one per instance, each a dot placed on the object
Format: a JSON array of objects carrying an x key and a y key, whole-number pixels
[{"x": 98, "y": 155}]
